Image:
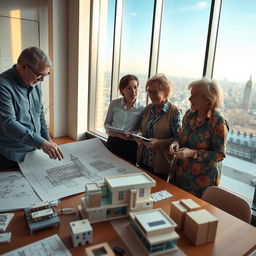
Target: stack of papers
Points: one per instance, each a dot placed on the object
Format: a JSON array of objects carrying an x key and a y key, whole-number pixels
[
  {"x": 5, "y": 219},
  {"x": 161, "y": 195}
]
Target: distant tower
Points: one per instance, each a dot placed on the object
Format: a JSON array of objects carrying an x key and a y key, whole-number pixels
[{"x": 247, "y": 95}]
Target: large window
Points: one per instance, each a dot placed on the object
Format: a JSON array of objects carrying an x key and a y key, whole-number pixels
[
  {"x": 182, "y": 44},
  {"x": 136, "y": 41},
  {"x": 235, "y": 70},
  {"x": 235, "y": 63},
  {"x": 185, "y": 40},
  {"x": 102, "y": 54}
]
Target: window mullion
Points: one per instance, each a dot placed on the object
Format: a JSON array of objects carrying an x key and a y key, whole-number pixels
[
  {"x": 117, "y": 48},
  {"x": 212, "y": 38}
]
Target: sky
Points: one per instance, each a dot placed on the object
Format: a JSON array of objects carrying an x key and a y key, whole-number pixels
[{"x": 183, "y": 38}]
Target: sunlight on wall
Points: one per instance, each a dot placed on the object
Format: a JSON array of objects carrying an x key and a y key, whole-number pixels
[{"x": 15, "y": 28}]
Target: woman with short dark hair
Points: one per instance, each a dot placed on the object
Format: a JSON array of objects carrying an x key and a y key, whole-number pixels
[{"x": 125, "y": 114}]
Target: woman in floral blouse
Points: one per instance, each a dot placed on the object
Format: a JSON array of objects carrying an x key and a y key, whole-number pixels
[{"x": 201, "y": 145}]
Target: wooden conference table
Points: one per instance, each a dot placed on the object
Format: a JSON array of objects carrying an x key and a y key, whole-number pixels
[{"x": 234, "y": 237}]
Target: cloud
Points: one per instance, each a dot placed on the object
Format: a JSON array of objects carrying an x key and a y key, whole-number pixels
[
  {"x": 195, "y": 7},
  {"x": 133, "y": 14},
  {"x": 200, "y": 5}
]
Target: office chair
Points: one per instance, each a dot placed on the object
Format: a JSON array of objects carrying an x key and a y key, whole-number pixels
[{"x": 228, "y": 202}]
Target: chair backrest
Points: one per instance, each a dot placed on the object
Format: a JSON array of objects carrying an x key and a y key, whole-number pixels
[{"x": 228, "y": 202}]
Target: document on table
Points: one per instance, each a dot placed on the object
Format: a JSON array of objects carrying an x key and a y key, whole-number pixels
[
  {"x": 15, "y": 192},
  {"x": 85, "y": 162},
  {"x": 52, "y": 245},
  {"x": 5, "y": 219}
]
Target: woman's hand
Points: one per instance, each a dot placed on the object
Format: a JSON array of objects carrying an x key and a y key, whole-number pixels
[
  {"x": 138, "y": 140},
  {"x": 174, "y": 147},
  {"x": 152, "y": 143},
  {"x": 183, "y": 153},
  {"x": 119, "y": 135}
]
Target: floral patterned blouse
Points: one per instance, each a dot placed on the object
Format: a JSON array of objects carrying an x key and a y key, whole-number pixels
[{"x": 208, "y": 137}]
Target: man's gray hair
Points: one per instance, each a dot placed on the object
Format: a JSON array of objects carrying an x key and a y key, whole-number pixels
[{"x": 33, "y": 56}]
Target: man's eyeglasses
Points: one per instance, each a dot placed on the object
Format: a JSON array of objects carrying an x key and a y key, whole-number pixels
[{"x": 38, "y": 75}]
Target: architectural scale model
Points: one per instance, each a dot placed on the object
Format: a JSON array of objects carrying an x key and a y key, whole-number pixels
[
  {"x": 80, "y": 232},
  {"x": 155, "y": 230},
  {"x": 116, "y": 197},
  {"x": 200, "y": 227},
  {"x": 179, "y": 210},
  {"x": 41, "y": 215},
  {"x": 102, "y": 249}
]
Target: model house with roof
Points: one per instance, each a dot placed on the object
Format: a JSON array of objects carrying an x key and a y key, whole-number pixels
[
  {"x": 81, "y": 232},
  {"x": 155, "y": 230},
  {"x": 116, "y": 197}
]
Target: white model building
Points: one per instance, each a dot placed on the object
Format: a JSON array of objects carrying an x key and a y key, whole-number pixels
[
  {"x": 116, "y": 197},
  {"x": 155, "y": 230},
  {"x": 81, "y": 232}
]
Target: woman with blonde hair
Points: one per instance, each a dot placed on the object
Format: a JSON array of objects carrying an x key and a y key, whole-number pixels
[
  {"x": 202, "y": 140},
  {"x": 160, "y": 123}
]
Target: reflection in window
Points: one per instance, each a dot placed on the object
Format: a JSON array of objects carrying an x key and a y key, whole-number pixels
[
  {"x": 182, "y": 44},
  {"x": 136, "y": 39}
]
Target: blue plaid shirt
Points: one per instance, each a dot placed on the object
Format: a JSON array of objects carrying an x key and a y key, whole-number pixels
[{"x": 176, "y": 121}]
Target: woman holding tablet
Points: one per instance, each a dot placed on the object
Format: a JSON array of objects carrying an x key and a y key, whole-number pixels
[
  {"x": 161, "y": 122},
  {"x": 124, "y": 116}
]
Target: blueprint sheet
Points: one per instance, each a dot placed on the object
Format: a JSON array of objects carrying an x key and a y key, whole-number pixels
[
  {"x": 49, "y": 246},
  {"x": 15, "y": 192},
  {"x": 85, "y": 161}
]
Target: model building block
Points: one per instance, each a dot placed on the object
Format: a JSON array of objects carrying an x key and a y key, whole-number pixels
[
  {"x": 102, "y": 249},
  {"x": 180, "y": 208},
  {"x": 116, "y": 197},
  {"x": 93, "y": 192},
  {"x": 200, "y": 226},
  {"x": 41, "y": 215},
  {"x": 155, "y": 230},
  {"x": 81, "y": 232},
  {"x": 190, "y": 204}
]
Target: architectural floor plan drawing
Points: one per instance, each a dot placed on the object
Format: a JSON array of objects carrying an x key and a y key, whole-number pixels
[
  {"x": 86, "y": 161},
  {"x": 49, "y": 246},
  {"x": 15, "y": 191}
]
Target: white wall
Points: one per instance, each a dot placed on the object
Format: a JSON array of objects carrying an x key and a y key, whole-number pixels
[
  {"x": 23, "y": 24},
  {"x": 61, "y": 28},
  {"x": 78, "y": 67},
  {"x": 58, "y": 50}
]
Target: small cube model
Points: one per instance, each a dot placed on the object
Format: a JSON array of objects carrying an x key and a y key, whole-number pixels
[
  {"x": 102, "y": 249},
  {"x": 116, "y": 197},
  {"x": 81, "y": 232},
  {"x": 180, "y": 208},
  {"x": 200, "y": 227},
  {"x": 155, "y": 230},
  {"x": 41, "y": 215}
]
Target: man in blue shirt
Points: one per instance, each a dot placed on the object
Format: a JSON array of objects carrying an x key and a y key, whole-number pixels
[{"x": 22, "y": 122}]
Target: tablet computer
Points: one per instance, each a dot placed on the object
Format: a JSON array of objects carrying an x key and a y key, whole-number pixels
[{"x": 140, "y": 137}]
